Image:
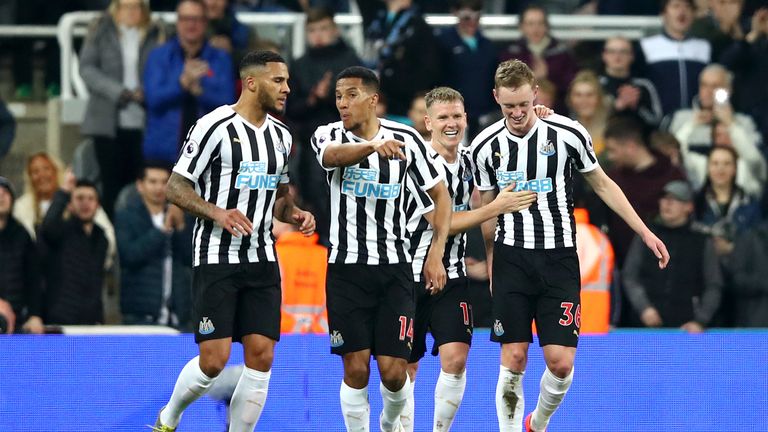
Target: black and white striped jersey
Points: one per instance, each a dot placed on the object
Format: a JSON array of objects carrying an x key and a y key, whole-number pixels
[
  {"x": 458, "y": 178},
  {"x": 368, "y": 199},
  {"x": 418, "y": 230},
  {"x": 542, "y": 161},
  {"x": 235, "y": 164}
]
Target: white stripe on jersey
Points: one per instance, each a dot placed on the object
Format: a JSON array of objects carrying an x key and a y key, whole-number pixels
[
  {"x": 543, "y": 161},
  {"x": 458, "y": 177},
  {"x": 367, "y": 199},
  {"x": 234, "y": 164}
]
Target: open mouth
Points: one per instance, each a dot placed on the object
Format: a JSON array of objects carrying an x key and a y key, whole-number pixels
[
  {"x": 517, "y": 119},
  {"x": 451, "y": 134}
]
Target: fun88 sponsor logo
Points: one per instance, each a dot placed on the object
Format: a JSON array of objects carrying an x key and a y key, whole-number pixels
[
  {"x": 253, "y": 175},
  {"x": 506, "y": 178},
  {"x": 362, "y": 182}
]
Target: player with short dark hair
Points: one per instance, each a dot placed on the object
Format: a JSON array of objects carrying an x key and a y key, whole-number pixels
[
  {"x": 233, "y": 175},
  {"x": 369, "y": 287},
  {"x": 534, "y": 266}
]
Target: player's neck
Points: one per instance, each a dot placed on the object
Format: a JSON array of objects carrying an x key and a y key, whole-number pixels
[
  {"x": 449, "y": 154},
  {"x": 369, "y": 128},
  {"x": 253, "y": 113}
]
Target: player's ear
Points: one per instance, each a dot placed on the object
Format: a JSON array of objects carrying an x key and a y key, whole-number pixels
[
  {"x": 374, "y": 99},
  {"x": 495, "y": 96},
  {"x": 428, "y": 122}
]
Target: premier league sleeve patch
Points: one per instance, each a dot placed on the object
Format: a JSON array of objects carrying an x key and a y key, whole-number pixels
[{"x": 191, "y": 149}]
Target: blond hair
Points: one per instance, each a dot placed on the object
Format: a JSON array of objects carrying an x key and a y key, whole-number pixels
[
  {"x": 514, "y": 74},
  {"x": 442, "y": 95}
]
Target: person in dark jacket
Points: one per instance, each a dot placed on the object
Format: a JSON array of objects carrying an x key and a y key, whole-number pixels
[
  {"x": 111, "y": 63},
  {"x": 749, "y": 285},
  {"x": 184, "y": 79},
  {"x": 155, "y": 255},
  {"x": 77, "y": 251},
  {"x": 403, "y": 48},
  {"x": 7, "y": 129},
  {"x": 470, "y": 61},
  {"x": 548, "y": 57},
  {"x": 313, "y": 104},
  {"x": 687, "y": 293},
  {"x": 19, "y": 270},
  {"x": 226, "y": 32}
]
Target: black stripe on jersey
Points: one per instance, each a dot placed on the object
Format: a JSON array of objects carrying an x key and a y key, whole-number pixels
[
  {"x": 396, "y": 216},
  {"x": 252, "y": 197},
  {"x": 343, "y": 233},
  {"x": 517, "y": 218},
  {"x": 552, "y": 161},
  {"x": 232, "y": 194},
  {"x": 280, "y": 124},
  {"x": 480, "y": 145},
  {"x": 268, "y": 196},
  {"x": 204, "y": 141},
  {"x": 568, "y": 174},
  {"x": 538, "y": 221},
  {"x": 491, "y": 169},
  {"x": 582, "y": 139},
  {"x": 361, "y": 220},
  {"x": 381, "y": 212},
  {"x": 212, "y": 198}
]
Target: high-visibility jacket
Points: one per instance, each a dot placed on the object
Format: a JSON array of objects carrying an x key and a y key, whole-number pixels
[
  {"x": 596, "y": 260},
  {"x": 303, "y": 266}
]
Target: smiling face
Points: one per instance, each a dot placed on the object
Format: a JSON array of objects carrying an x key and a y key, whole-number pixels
[
  {"x": 447, "y": 122},
  {"x": 517, "y": 107},
  {"x": 355, "y": 102},
  {"x": 43, "y": 175}
]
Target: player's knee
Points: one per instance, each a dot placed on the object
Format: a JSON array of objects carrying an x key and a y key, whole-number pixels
[
  {"x": 393, "y": 377},
  {"x": 356, "y": 373},
  {"x": 212, "y": 365},
  {"x": 561, "y": 368},
  {"x": 259, "y": 359},
  {"x": 454, "y": 365},
  {"x": 514, "y": 359}
]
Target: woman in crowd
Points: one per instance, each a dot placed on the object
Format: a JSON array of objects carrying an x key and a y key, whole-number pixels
[{"x": 111, "y": 62}]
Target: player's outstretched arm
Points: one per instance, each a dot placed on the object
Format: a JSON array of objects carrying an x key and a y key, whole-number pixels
[
  {"x": 507, "y": 201},
  {"x": 341, "y": 155},
  {"x": 614, "y": 197},
  {"x": 181, "y": 192},
  {"x": 287, "y": 211},
  {"x": 434, "y": 271}
]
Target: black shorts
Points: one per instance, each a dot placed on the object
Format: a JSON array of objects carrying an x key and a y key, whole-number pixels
[
  {"x": 447, "y": 315},
  {"x": 540, "y": 284},
  {"x": 370, "y": 307},
  {"x": 234, "y": 300}
]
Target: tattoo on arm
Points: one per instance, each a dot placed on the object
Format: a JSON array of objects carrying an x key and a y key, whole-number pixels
[{"x": 181, "y": 192}]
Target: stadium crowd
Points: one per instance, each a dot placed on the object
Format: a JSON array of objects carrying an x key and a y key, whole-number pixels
[{"x": 678, "y": 119}]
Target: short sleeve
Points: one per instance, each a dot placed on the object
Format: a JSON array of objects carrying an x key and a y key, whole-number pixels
[
  {"x": 196, "y": 152},
  {"x": 585, "y": 158},
  {"x": 424, "y": 170},
  {"x": 483, "y": 171},
  {"x": 319, "y": 142},
  {"x": 417, "y": 196},
  {"x": 287, "y": 142}
]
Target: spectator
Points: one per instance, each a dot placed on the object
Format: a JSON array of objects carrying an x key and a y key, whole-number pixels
[
  {"x": 722, "y": 206},
  {"x": 748, "y": 59},
  {"x": 721, "y": 26},
  {"x": 587, "y": 104},
  {"x": 225, "y": 32},
  {"x": 749, "y": 295},
  {"x": 20, "y": 277},
  {"x": 155, "y": 255},
  {"x": 77, "y": 254},
  {"x": 7, "y": 130},
  {"x": 548, "y": 57},
  {"x": 697, "y": 130},
  {"x": 111, "y": 62},
  {"x": 403, "y": 48},
  {"x": 313, "y": 104},
  {"x": 42, "y": 179},
  {"x": 416, "y": 114},
  {"x": 547, "y": 94},
  {"x": 666, "y": 144},
  {"x": 639, "y": 172},
  {"x": 673, "y": 59},
  {"x": 687, "y": 293},
  {"x": 629, "y": 94},
  {"x": 470, "y": 61},
  {"x": 183, "y": 79}
]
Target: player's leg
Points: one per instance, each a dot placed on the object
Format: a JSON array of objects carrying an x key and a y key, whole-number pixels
[
  {"x": 420, "y": 328},
  {"x": 352, "y": 302},
  {"x": 452, "y": 327},
  {"x": 558, "y": 318},
  {"x": 214, "y": 296},
  {"x": 513, "y": 307},
  {"x": 393, "y": 340},
  {"x": 258, "y": 321}
]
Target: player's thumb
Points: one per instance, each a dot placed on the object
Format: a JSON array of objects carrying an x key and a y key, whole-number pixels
[{"x": 510, "y": 188}]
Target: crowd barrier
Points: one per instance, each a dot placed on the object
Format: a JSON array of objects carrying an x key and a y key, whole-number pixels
[{"x": 624, "y": 381}]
